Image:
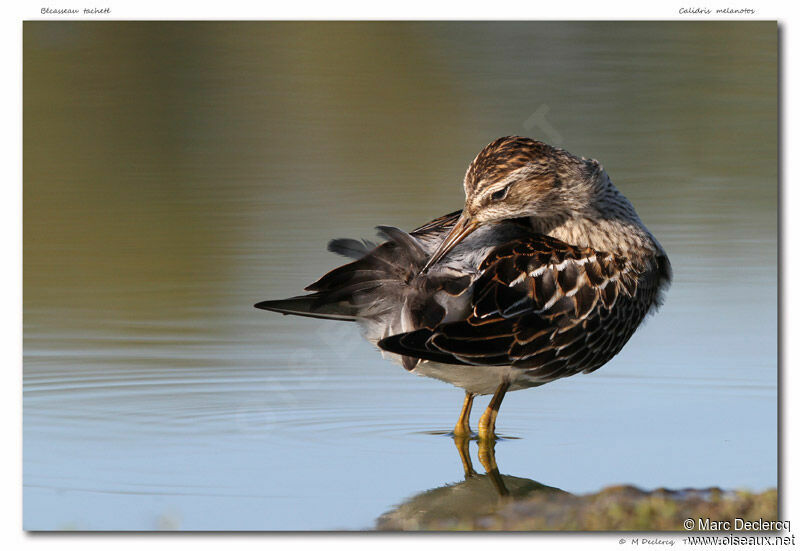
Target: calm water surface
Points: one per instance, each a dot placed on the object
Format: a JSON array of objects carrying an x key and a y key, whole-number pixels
[{"x": 175, "y": 174}]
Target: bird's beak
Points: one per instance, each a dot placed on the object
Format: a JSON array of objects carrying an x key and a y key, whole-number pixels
[{"x": 464, "y": 226}]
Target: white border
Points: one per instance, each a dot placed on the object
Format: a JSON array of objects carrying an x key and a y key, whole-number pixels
[
  {"x": 11, "y": 219},
  {"x": 412, "y": 9}
]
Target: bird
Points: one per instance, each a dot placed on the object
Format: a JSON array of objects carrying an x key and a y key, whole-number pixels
[{"x": 547, "y": 271}]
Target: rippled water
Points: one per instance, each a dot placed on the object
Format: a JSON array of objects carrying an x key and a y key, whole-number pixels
[{"x": 174, "y": 174}]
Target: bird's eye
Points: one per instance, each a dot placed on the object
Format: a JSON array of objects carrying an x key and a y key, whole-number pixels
[{"x": 500, "y": 194}]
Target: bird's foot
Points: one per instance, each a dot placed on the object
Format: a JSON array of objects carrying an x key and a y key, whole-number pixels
[{"x": 462, "y": 430}]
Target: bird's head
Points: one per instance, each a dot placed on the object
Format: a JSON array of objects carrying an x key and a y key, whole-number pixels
[{"x": 515, "y": 177}]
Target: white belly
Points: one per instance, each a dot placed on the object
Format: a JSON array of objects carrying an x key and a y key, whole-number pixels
[{"x": 477, "y": 379}]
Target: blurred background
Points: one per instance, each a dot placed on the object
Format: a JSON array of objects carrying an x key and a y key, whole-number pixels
[{"x": 177, "y": 173}]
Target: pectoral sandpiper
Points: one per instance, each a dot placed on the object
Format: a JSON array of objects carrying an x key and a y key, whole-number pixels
[{"x": 547, "y": 271}]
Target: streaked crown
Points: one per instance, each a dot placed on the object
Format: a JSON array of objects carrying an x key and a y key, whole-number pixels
[
  {"x": 515, "y": 176},
  {"x": 506, "y": 155}
]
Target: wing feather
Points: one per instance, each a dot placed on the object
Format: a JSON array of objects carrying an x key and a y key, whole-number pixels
[{"x": 542, "y": 305}]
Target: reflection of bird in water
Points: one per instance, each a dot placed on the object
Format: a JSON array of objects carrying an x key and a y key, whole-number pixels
[
  {"x": 477, "y": 496},
  {"x": 545, "y": 273}
]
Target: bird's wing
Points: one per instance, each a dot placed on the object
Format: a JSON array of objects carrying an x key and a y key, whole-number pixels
[
  {"x": 437, "y": 224},
  {"x": 541, "y": 305}
]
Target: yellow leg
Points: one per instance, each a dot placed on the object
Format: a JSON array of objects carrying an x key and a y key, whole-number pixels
[
  {"x": 487, "y": 422},
  {"x": 487, "y": 459},
  {"x": 462, "y": 426},
  {"x": 462, "y": 445}
]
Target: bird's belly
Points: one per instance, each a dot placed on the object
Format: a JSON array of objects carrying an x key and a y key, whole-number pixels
[{"x": 477, "y": 379}]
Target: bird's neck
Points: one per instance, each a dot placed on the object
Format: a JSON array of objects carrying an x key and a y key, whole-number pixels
[
  {"x": 618, "y": 236},
  {"x": 608, "y": 222}
]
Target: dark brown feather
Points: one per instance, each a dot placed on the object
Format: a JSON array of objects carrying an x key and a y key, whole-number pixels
[{"x": 545, "y": 306}]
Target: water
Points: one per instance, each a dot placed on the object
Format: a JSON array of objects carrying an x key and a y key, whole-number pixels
[{"x": 175, "y": 174}]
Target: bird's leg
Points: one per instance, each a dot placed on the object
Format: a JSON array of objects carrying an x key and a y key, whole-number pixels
[
  {"x": 462, "y": 445},
  {"x": 487, "y": 459},
  {"x": 486, "y": 424},
  {"x": 462, "y": 426}
]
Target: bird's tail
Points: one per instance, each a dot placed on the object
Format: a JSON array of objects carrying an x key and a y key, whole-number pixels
[
  {"x": 312, "y": 306},
  {"x": 368, "y": 287}
]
